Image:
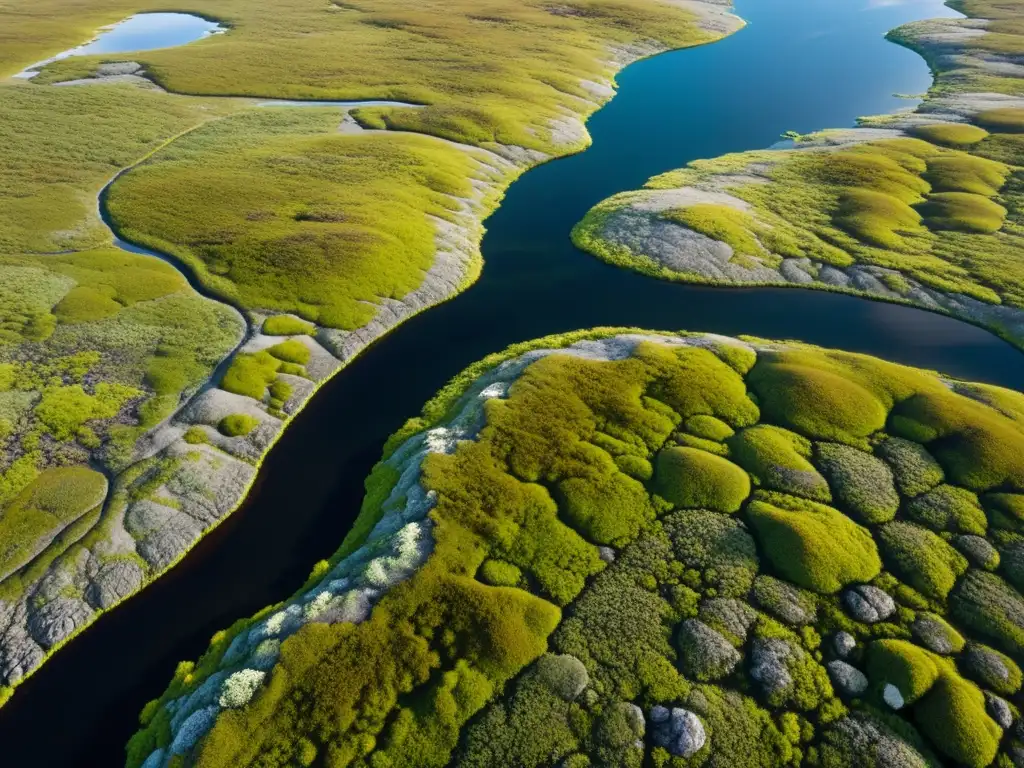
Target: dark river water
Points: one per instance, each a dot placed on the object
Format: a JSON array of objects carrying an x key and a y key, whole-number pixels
[{"x": 799, "y": 65}]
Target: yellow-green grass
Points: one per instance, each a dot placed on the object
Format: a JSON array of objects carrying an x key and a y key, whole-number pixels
[
  {"x": 274, "y": 209},
  {"x": 237, "y": 424},
  {"x": 491, "y": 71},
  {"x": 509, "y": 554},
  {"x": 54, "y": 500},
  {"x": 61, "y": 145},
  {"x": 956, "y": 135}
]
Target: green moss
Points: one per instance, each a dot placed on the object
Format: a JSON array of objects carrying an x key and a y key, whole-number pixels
[
  {"x": 709, "y": 428},
  {"x": 237, "y": 425},
  {"x": 909, "y": 668},
  {"x": 250, "y": 375},
  {"x": 913, "y": 467},
  {"x": 65, "y": 410},
  {"x": 949, "y": 508},
  {"x": 287, "y": 325},
  {"x": 812, "y": 545},
  {"x": 965, "y": 173},
  {"x": 687, "y": 477},
  {"x": 498, "y": 573},
  {"x": 778, "y": 459},
  {"x": 291, "y": 351},
  {"x": 957, "y": 135},
  {"x": 963, "y": 212},
  {"x": 991, "y": 607},
  {"x": 731, "y": 226},
  {"x": 861, "y": 484},
  {"x": 921, "y": 559},
  {"x": 953, "y": 716}
]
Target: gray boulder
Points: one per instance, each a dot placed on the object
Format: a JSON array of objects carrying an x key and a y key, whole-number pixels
[
  {"x": 977, "y": 549},
  {"x": 678, "y": 730},
  {"x": 843, "y": 644},
  {"x": 784, "y": 600},
  {"x": 607, "y": 554},
  {"x": 998, "y": 710},
  {"x": 769, "y": 665},
  {"x": 728, "y": 615},
  {"x": 704, "y": 654},
  {"x": 860, "y": 739},
  {"x": 868, "y": 604},
  {"x": 936, "y": 635},
  {"x": 990, "y": 668},
  {"x": 847, "y": 679},
  {"x": 114, "y": 581},
  {"x": 19, "y": 653}
]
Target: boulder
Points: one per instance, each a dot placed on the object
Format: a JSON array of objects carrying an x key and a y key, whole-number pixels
[
  {"x": 114, "y": 581},
  {"x": 732, "y": 617},
  {"x": 847, "y": 679},
  {"x": 769, "y": 666},
  {"x": 868, "y": 604},
  {"x": 784, "y": 600},
  {"x": 843, "y": 644},
  {"x": 999, "y": 710},
  {"x": 56, "y": 620},
  {"x": 978, "y": 551},
  {"x": 704, "y": 654},
  {"x": 678, "y": 730},
  {"x": 891, "y": 695}
]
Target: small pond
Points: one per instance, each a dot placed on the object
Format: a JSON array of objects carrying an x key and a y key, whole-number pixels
[{"x": 141, "y": 32}]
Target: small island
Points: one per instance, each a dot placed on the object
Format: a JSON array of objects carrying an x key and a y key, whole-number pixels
[
  {"x": 919, "y": 207},
  {"x": 627, "y": 548}
]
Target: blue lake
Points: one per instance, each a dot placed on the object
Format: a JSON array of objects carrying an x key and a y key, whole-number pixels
[
  {"x": 799, "y": 65},
  {"x": 141, "y": 32}
]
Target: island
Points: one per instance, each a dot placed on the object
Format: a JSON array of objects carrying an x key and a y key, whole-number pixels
[
  {"x": 194, "y": 238},
  {"x": 621, "y": 547},
  {"x": 919, "y": 207}
]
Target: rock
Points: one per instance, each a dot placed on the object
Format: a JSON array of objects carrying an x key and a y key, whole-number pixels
[
  {"x": 563, "y": 674},
  {"x": 847, "y": 679},
  {"x": 978, "y": 551},
  {"x": 728, "y": 615},
  {"x": 56, "y": 620},
  {"x": 607, "y": 554},
  {"x": 990, "y": 668},
  {"x": 860, "y": 739},
  {"x": 635, "y": 718},
  {"x": 784, "y": 600},
  {"x": 843, "y": 644},
  {"x": 936, "y": 635},
  {"x": 868, "y": 604},
  {"x": 769, "y": 665},
  {"x": 999, "y": 710},
  {"x": 19, "y": 653},
  {"x": 704, "y": 654},
  {"x": 891, "y": 695},
  {"x": 115, "y": 580},
  {"x": 679, "y": 731},
  {"x": 193, "y": 729},
  {"x": 155, "y": 759}
]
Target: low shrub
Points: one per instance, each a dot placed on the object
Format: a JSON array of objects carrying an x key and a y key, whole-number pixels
[
  {"x": 691, "y": 478},
  {"x": 860, "y": 482},
  {"x": 957, "y": 135},
  {"x": 237, "y": 425},
  {"x": 287, "y": 325}
]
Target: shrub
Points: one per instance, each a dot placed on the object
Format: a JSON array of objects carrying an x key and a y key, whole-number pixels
[
  {"x": 948, "y": 508},
  {"x": 250, "y": 375},
  {"x": 688, "y": 477},
  {"x": 860, "y": 483},
  {"x": 812, "y": 545},
  {"x": 963, "y": 212},
  {"x": 280, "y": 391},
  {"x": 778, "y": 459},
  {"x": 915, "y": 470},
  {"x": 606, "y": 509},
  {"x": 921, "y": 559},
  {"x": 287, "y": 325},
  {"x": 708, "y": 427},
  {"x": 991, "y": 608},
  {"x": 498, "y": 573},
  {"x": 957, "y": 135},
  {"x": 965, "y": 173},
  {"x": 718, "y": 545},
  {"x": 195, "y": 435},
  {"x": 876, "y": 218},
  {"x": 291, "y": 351},
  {"x": 237, "y": 425}
]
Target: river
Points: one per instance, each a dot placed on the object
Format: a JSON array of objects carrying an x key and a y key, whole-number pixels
[{"x": 799, "y": 65}]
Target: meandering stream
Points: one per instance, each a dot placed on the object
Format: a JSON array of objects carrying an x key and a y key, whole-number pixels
[{"x": 800, "y": 65}]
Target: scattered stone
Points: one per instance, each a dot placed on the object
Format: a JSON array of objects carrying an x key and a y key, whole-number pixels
[
  {"x": 679, "y": 731},
  {"x": 936, "y": 635},
  {"x": 843, "y": 644},
  {"x": 891, "y": 695},
  {"x": 769, "y": 665},
  {"x": 847, "y": 679},
  {"x": 607, "y": 554},
  {"x": 729, "y": 617},
  {"x": 990, "y": 668},
  {"x": 704, "y": 654},
  {"x": 999, "y": 710},
  {"x": 861, "y": 740},
  {"x": 868, "y": 604}
]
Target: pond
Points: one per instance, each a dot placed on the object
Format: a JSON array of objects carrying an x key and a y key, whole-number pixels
[{"x": 141, "y": 32}]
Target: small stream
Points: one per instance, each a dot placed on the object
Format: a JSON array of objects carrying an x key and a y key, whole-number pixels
[{"x": 799, "y": 65}]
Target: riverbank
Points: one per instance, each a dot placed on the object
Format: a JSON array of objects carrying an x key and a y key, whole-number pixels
[
  {"x": 197, "y": 460},
  {"x": 915, "y": 207}
]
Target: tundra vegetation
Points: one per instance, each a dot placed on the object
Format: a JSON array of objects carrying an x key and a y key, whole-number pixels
[
  {"x": 920, "y": 207},
  {"x": 620, "y": 548},
  {"x": 131, "y": 419}
]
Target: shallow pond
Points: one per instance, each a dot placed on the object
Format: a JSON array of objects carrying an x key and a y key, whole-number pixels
[
  {"x": 799, "y": 65},
  {"x": 141, "y": 32}
]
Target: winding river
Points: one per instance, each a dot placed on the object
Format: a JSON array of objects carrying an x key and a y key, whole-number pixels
[{"x": 799, "y": 65}]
